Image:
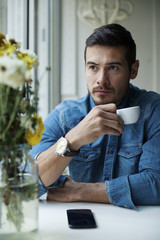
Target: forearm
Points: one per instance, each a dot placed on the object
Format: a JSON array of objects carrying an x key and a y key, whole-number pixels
[
  {"x": 93, "y": 192},
  {"x": 72, "y": 191},
  {"x": 51, "y": 165}
]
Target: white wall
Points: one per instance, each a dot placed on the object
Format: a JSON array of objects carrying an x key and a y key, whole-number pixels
[
  {"x": 43, "y": 48},
  {"x": 16, "y": 25},
  {"x": 3, "y": 16},
  {"x": 144, "y": 26},
  {"x": 48, "y": 50}
]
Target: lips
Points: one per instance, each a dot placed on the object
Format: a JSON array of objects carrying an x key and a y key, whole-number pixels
[{"x": 103, "y": 91}]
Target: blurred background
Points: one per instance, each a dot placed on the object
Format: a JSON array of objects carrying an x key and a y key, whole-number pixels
[{"x": 56, "y": 30}]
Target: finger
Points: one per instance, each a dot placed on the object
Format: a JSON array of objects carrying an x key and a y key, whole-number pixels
[
  {"x": 111, "y": 120},
  {"x": 110, "y": 107},
  {"x": 107, "y": 111},
  {"x": 113, "y": 116},
  {"x": 113, "y": 128},
  {"x": 108, "y": 124},
  {"x": 113, "y": 131}
]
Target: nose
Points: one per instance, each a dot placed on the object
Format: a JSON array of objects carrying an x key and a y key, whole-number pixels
[{"x": 103, "y": 78}]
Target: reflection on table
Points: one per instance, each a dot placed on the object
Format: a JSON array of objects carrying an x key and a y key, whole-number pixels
[{"x": 112, "y": 222}]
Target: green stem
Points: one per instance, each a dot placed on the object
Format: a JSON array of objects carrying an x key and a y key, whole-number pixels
[
  {"x": 15, "y": 211},
  {"x": 12, "y": 117},
  {"x": 3, "y": 105},
  {"x": 4, "y": 98}
]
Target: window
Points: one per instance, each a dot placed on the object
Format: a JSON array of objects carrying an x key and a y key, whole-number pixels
[{"x": 36, "y": 24}]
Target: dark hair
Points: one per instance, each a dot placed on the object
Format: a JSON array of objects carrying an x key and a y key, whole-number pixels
[{"x": 113, "y": 35}]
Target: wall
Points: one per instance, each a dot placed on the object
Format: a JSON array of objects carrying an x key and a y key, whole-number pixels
[
  {"x": 48, "y": 50},
  {"x": 143, "y": 24},
  {"x": 3, "y": 16}
]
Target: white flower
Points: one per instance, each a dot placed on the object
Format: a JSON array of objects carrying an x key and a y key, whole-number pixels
[
  {"x": 32, "y": 55},
  {"x": 12, "y": 71},
  {"x": 28, "y": 75},
  {"x": 26, "y": 122}
]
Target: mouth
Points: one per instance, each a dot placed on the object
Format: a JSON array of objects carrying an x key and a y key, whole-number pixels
[{"x": 103, "y": 91}]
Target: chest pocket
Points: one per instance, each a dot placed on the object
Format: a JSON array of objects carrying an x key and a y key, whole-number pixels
[
  {"x": 87, "y": 155},
  {"x": 85, "y": 166},
  {"x": 128, "y": 160}
]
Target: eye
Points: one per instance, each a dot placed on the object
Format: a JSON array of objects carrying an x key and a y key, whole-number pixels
[
  {"x": 93, "y": 67},
  {"x": 113, "y": 67}
]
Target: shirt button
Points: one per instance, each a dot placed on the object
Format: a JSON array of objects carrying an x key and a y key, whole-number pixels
[
  {"x": 110, "y": 151},
  {"x": 85, "y": 156},
  {"x": 106, "y": 178}
]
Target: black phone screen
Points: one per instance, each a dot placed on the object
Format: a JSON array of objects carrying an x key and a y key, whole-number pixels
[{"x": 81, "y": 218}]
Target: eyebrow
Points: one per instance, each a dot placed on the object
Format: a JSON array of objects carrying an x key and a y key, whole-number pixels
[
  {"x": 115, "y": 63},
  {"x": 90, "y": 62},
  {"x": 110, "y": 63}
]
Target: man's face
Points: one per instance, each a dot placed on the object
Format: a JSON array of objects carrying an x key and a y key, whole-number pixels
[{"x": 107, "y": 74}]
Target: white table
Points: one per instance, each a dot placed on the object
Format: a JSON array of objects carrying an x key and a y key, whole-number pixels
[{"x": 114, "y": 223}]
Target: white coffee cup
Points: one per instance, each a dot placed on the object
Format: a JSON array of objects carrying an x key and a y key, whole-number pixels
[{"x": 129, "y": 115}]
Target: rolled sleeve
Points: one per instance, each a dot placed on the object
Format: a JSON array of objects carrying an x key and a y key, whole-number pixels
[
  {"x": 118, "y": 192},
  {"x": 59, "y": 182}
]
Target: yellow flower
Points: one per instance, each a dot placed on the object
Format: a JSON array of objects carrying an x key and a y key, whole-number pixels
[
  {"x": 30, "y": 59},
  {"x": 2, "y": 37},
  {"x": 7, "y": 48},
  {"x": 35, "y": 137}
]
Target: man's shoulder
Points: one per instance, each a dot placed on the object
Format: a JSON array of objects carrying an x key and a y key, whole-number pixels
[
  {"x": 144, "y": 96},
  {"x": 71, "y": 104}
]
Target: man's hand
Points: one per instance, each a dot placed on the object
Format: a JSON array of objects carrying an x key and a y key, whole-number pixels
[
  {"x": 101, "y": 120},
  {"x": 72, "y": 191}
]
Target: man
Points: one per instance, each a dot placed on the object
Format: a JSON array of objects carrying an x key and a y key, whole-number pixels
[{"x": 108, "y": 162}]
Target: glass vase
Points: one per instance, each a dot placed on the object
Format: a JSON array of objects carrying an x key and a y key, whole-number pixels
[{"x": 18, "y": 191}]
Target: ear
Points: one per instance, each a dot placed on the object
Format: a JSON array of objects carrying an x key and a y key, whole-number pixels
[{"x": 134, "y": 69}]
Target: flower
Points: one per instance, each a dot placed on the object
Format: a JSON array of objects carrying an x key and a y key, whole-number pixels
[
  {"x": 18, "y": 103},
  {"x": 7, "y": 47},
  {"x": 20, "y": 127},
  {"x": 29, "y": 58},
  {"x": 12, "y": 71},
  {"x": 33, "y": 136}
]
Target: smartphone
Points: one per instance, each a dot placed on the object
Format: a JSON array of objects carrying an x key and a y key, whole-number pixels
[{"x": 81, "y": 218}]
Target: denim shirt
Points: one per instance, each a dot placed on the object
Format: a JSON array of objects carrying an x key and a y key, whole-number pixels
[{"x": 128, "y": 164}]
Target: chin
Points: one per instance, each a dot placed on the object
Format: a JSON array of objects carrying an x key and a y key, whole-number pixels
[{"x": 102, "y": 101}]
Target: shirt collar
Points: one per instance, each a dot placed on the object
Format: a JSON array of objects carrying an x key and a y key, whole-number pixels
[
  {"x": 92, "y": 104},
  {"x": 125, "y": 101}
]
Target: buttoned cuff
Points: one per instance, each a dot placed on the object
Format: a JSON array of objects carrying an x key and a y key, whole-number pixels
[
  {"x": 43, "y": 189},
  {"x": 118, "y": 192}
]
